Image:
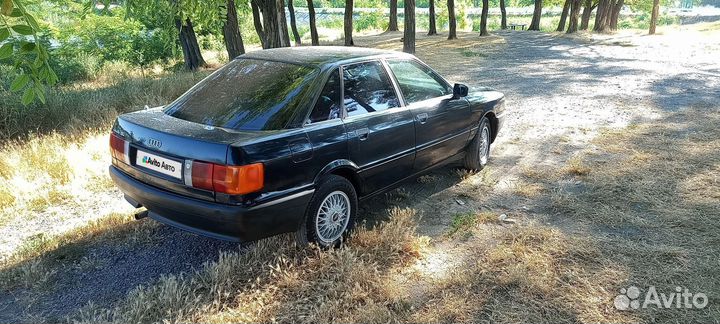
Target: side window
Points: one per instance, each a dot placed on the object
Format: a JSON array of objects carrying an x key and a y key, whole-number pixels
[
  {"x": 328, "y": 104},
  {"x": 417, "y": 82},
  {"x": 368, "y": 89}
]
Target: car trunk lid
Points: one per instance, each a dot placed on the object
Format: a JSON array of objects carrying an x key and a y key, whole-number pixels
[{"x": 160, "y": 146}]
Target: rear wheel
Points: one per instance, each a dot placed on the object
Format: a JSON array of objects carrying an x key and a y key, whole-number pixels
[
  {"x": 478, "y": 152},
  {"x": 331, "y": 213}
]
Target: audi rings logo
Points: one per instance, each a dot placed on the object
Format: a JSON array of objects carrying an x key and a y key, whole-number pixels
[{"x": 154, "y": 142}]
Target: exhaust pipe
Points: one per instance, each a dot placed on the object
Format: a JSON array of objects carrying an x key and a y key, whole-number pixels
[{"x": 141, "y": 214}]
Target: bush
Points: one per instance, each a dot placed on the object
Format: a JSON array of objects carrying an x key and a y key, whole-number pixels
[
  {"x": 111, "y": 38},
  {"x": 370, "y": 20},
  {"x": 78, "y": 67}
]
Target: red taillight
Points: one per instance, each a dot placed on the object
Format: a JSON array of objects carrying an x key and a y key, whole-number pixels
[
  {"x": 229, "y": 179},
  {"x": 119, "y": 148},
  {"x": 202, "y": 175}
]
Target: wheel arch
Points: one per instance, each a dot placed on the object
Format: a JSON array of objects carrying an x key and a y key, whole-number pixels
[
  {"x": 344, "y": 168},
  {"x": 493, "y": 124}
]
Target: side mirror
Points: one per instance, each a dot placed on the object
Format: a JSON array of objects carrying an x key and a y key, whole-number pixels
[{"x": 460, "y": 90}]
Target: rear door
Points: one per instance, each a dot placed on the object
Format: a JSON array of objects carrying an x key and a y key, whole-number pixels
[
  {"x": 441, "y": 122},
  {"x": 381, "y": 132}
]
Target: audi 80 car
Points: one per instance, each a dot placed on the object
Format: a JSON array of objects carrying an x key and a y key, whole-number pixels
[{"x": 288, "y": 140}]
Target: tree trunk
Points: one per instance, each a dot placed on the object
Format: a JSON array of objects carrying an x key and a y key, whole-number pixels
[
  {"x": 257, "y": 21},
  {"x": 431, "y": 16},
  {"x": 587, "y": 12},
  {"x": 602, "y": 17},
  {"x": 393, "y": 26},
  {"x": 282, "y": 23},
  {"x": 409, "y": 29},
  {"x": 452, "y": 22},
  {"x": 231, "y": 33},
  {"x": 293, "y": 26},
  {"x": 271, "y": 26},
  {"x": 615, "y": 13},
  {"x": 537, "y": 13},
  {"x": 313, "y": 26},
  {"x": 188, "y": 42},
  {"x": 349, "y": 23},
  {"x": 563, "y": 16},
  {"x": 483, "y": 18},
  {"x": 574, "y": 12},
  {"x": 654, "y": 16},
  {"x": 503, "y": 15}
]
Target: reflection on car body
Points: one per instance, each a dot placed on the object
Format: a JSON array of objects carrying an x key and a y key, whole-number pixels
[{"x": 288, "y": 140}]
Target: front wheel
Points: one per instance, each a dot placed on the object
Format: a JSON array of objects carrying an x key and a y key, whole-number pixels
[
  {"x": 330, "y": 214},
  {"x": 478, "y": 152}
]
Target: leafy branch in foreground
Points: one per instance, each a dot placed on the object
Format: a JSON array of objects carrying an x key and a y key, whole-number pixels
[{"x": 19, "y": 43}]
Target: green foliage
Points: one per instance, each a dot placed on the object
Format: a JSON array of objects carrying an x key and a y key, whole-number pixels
[
  {"x": 21, "y": 49},
  {"x": 79, "y": 67},
  {"x": 371, "y": 20},
  {"x": 108, "y": 37},
  {"x": 642, "y": 21},
  {"x": 114, "y": 38}
]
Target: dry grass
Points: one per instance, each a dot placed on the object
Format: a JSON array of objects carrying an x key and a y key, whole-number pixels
[
  {"x": 34, "y": 262},
  {"x": 79, "y": 107},
  {"x": 529, "y": 190},
  {"x": 396, "y": 196},
  {"x": 275, "y": 281},
  {"x": 463, "y": 173},
  {"x": 50, "y": 171},
  {"x": 576, "y": 166},
  {"x": 645, "y": 215},
  {"x": 534, "y": 274},
  {"x": 650, "y": 203},
  {"x": 428, "y": 178}
]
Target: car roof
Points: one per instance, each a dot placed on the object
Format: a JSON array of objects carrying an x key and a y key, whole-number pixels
[{"x": 320, "y": 55}]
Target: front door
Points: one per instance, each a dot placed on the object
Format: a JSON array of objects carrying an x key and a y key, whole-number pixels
[
  {"x": 441, "y": 121},
  {"x": 381, "y": 133}
]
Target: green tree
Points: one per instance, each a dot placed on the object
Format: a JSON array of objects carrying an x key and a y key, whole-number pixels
[
  {"x": 179, "y": 15},
  {"x": 21, "y": 45}
]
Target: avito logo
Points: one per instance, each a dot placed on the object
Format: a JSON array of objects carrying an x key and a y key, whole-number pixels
[{"x": 157, "y": 163}]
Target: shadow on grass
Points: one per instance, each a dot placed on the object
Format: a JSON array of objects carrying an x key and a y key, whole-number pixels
[
  {"x": 101, "y": 267},
  {"x": 104, "y": 266},
  {"x": 646, "y": 214}
]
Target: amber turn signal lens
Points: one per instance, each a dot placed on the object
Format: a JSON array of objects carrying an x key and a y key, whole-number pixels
[{"x": 240, "y": 179}]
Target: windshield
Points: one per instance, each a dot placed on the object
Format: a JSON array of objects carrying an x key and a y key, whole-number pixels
[{"x": 246, "y": 94}]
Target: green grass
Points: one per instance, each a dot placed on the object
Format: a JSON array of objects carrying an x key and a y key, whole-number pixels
[
  {"x": 464, "y": 223},
  {"x": 73, "y": 109}
]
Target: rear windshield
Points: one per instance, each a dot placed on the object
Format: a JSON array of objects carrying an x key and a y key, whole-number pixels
[{"x": 246, "y": 94}]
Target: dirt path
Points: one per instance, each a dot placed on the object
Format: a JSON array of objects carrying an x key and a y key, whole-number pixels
[{"x": 561, "y": 92}]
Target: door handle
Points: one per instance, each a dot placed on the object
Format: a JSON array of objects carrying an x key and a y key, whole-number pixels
[
  {"x": 362, "y": 133},
  {"x": 422, "y": 118}
]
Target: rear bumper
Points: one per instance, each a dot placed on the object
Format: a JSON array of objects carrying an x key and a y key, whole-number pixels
[{"x": 220, "y": 221}]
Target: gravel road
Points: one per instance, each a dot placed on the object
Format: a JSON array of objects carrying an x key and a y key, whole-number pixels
[{"x": 559, "y": 90}]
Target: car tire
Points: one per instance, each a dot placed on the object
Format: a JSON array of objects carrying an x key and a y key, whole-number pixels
[
  {"x": 330, "y": 215},
  {"x": 478, "y": 152}
]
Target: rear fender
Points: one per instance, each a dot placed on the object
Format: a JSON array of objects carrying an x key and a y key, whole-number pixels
[{"x": 342, "y": 167}]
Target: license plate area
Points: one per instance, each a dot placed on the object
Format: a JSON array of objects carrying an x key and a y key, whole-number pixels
[{"x": 156, "y": 163}]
